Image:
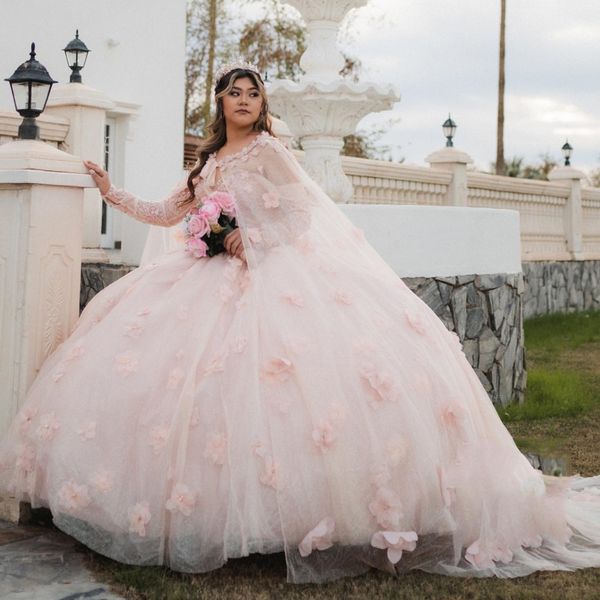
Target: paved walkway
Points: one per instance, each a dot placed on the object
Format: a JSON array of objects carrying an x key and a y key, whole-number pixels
[{"x": 42, "y": 563}]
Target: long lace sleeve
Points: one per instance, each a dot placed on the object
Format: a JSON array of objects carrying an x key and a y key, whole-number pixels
[{"x": 165, "y": 212}]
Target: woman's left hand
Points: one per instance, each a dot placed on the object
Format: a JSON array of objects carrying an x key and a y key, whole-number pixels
[{"x": 233, "y": 244}]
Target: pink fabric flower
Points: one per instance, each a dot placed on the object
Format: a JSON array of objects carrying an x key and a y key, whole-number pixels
[
  {"x": 396, "y": 542},
  {"x": 278, "y": 369},
  {"x": 216, "y": 448},
  {"x": 216, "y": 364},
  {"x": 293, "y": 297},
  {"x": 102, "y": 480},
  {"x": 126, "y": 363},
  {"x": 182, "y": 500},
  {"x": 414, "y": 319},
  {"x": 225, "y": 201},
  {"x": 133, "y": 329},
  {"x": 324, "y": 435},
  {"x": 271, "y": 200},
  {"x": 379, "y": 383},
  {"x": 59, "y": 373},
  {"x": 197, "y": 247},
  {"x": 48, "y": 426},
  {"x": 270, "y": 474},
  {"x": 139, "y": 517},
  {"x": 175, "y": 377},
  {"x": 198, "y": 225},
  {"x": 483, "y": 556},
  {"x": 254, "y": 235},
  {"x": 87, "y": 431},
  {"x": 319, "y": 537},
  {"x": 239, "y": 344},
  {"x": 342, "y": 297},
  {"x": 534, "y": 541},
  {"x": 75, "y": 352},
  {"x": 26, "y": 417},
  {"x": 159, "y": 435},
  {"x": 211, "y": 210},
  {"x": 386, "y": 508},
  {"x": 73, "y": 495}
]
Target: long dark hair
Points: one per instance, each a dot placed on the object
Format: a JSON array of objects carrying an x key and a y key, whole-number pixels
[{"x": 217, "y": 132}]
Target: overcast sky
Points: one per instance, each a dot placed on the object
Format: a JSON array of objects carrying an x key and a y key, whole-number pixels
[{"x": 442, "y": 56}]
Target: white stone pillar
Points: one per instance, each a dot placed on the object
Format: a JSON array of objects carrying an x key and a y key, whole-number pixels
[
  {"x": 41, "y": 200},
  {"x": 85, "y": 108},
  {"x": 574, "y": 212},
  {"x": 455, "y": 161}
]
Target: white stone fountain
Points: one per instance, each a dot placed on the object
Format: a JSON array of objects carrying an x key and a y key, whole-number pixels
[{"x": 323, "y": 107}]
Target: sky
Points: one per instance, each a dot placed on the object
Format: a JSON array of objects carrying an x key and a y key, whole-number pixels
[{"x": 442, "y": 57}]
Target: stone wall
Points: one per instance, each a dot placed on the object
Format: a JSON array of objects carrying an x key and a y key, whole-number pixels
[
  {"x": 486, "y": 312},
  {"x": 561, "y": 286}
]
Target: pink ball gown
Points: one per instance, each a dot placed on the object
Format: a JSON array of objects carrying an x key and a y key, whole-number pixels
[{"x": 305, "y": 401}]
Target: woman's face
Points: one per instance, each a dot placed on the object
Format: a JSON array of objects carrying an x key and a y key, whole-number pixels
[{"x": 241, "y": 106}]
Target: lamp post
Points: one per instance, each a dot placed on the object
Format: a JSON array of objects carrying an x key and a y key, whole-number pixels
[
  {"x": 567, "y": 150},
  {"x": 76, "y": 53},
  {"x": 30, "y": 85},
  {"x": 449, "y": 128}
]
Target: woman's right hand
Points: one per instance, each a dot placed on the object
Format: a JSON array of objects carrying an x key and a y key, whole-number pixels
[{"x": 99, "y": 175}]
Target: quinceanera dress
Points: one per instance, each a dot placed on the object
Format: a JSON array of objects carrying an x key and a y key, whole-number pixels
[{"x": 305, "y": 402}]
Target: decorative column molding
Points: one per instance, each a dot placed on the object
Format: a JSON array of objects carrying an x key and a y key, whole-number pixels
[
  {"x": 85, "y": 108},
  {"x": 455, "y": 161},
  {"x": 41, "y": 198},
  {"x": 323, "y": 107},
  {"x": 574, "y": 213}
]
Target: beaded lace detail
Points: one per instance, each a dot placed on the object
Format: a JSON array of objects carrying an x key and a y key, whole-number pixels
[{"x": 261, "y": 138}]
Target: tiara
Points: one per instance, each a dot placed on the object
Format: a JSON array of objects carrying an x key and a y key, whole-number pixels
[{"x": 233, "y": 66}]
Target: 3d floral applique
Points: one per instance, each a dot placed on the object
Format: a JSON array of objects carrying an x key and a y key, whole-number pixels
[
  {"x": 216, "y": 364},
  {"x": 139, "y": 517},
  {"x": 176, "y": 375},
  {"x": 254, "y": 235},
  {"x": 133, "y": 329},
  {"x": 126, "y": 363},
  {"x": 293, "y": 297},
  {"x": 181, "y": 500},
  {"x": 415, "y": 320},
  {"x": 277, "y": 369},
  {"x": 77, "y": 351},
  {"x": 26, "y": 458},
  {"x": 324, "y": 435},
  {"x": 26, "y": 417},
  {"x": 534, "y": 541},
  {"x": 396, "y": 542},
  {"x": 143, "y": 312},
  {"x": 158, "y": 436},
  {"x": 483, "y": 556},
  {"x": 319, "y": 537},
  {"x": 73, "y": 495},
  {"x": 342, "y": 297},
  {"x": 396, "y": 449},
  {"x": 216, "y": 448},
  {"x": 87, "y": 431},
  {"x": 102, "y": 480},
  {"x": 239, "y": 344},
  {"x": 386, "y": 508},
  {"x": 270, "y": 474},
  {"x": 378, "y": 382},
  {"x": 48, "y": 426},
  {"x": 271, "y": 200}
]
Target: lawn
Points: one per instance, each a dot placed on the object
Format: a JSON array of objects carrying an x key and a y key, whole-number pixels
[{"x": 561, "y": 417}]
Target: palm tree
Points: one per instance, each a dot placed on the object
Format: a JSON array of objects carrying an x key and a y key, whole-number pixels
[{"x": 500, "y": 165}]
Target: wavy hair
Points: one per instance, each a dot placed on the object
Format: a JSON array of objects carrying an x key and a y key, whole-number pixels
[{"x": 217, "y": 131}]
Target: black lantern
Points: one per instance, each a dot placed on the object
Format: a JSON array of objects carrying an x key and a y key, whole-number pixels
[
  {"x": 567, "y": 150},
  {"x": 30, "y": 85},
  {"x": 76, "y": 53},
  {"x": 449, "y": 128}
]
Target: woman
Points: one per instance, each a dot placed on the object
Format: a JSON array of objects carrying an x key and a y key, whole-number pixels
[{"x": 289, "y": 394}]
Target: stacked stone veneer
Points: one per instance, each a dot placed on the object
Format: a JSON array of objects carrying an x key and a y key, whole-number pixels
[
  {"x": 484, "y": 310},
  {"x": 561, "y": 286}
]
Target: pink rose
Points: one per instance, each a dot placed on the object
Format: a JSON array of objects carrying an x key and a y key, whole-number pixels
[
  {"x": 225, "y": 201},
  {"x": 197, "y": 247},
  {"x": 199, "y": 225},
  {"x": 211, "y": 210}
]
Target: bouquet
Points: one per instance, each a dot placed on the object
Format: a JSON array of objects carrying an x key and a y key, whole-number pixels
[{"x": 206, "y": 226}]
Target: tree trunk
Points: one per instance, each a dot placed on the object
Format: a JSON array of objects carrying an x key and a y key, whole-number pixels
[
  {"x": 210, "y": 67},
  {"x": 500, "y": 165}
]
